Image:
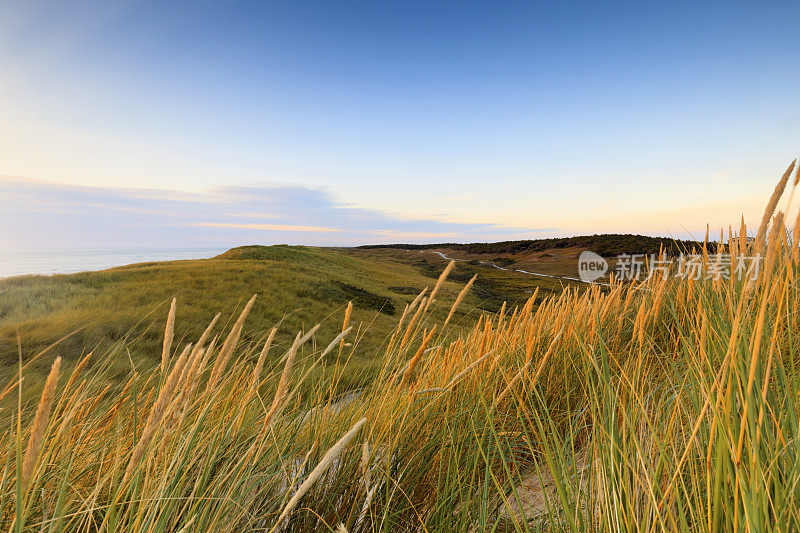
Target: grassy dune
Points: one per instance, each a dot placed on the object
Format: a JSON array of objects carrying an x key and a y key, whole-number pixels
[
  {"x": 661, "y": 405},
  {"x": 296, "y": 284},
  {"x": 119, "y": 312}
]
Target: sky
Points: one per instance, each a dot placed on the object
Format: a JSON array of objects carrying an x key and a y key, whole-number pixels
[{"x": 140, "y": 123}]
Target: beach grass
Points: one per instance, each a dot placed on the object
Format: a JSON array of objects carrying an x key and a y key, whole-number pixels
[{"x": 668, "y": 403}]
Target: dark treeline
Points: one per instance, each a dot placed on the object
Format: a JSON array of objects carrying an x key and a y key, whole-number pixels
[{"x": 609, "y": 245}]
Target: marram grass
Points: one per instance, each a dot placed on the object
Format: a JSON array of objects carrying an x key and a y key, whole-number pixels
[{"x": 659, "y": 405}]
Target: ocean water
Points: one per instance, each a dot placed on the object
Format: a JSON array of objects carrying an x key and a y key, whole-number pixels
[{"x": 20, "y": 262}]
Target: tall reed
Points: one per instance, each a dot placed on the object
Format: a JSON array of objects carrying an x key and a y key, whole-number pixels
[{"x": 663, "y": 404}]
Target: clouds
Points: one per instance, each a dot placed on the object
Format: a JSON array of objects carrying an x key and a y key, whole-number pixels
[{"x": 36, "y": 214}]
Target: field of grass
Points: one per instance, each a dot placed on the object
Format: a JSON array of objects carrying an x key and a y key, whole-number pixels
[
  {"x": 120, "y": 311},
  {"x": 668, "y": 404}
]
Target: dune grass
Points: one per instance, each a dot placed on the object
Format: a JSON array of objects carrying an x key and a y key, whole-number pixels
[
  {"x": 120, "y": 310},
  {"x": 667, "y": 404}
]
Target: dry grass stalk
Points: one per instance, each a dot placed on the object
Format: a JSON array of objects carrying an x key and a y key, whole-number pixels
[
  {"x": 777, "y": 230},
  {"x": 189, "y": 376},
  {"x": 417, "y": 356},
  {"x": 207, "y": 355},
  {"x": 327, "y": 460},
  {"x": 365, "y": 469},
  {"x": 714, "y": 387},
  {"x": 78, "y": 369},
  {"x": 305, "y": 338},
  {"x": 467, "y": 370},
  {"x": 440, "y": 282},
  {"x": 771, "y": 205},
  {"x": 36, "y": 439},
  {"x": 796, "y": 236},
  {"x": 364, "y": 508},
  {"x": 283, "y": 384},
  {"x": 228, "y": 346},
  {"x": 518, "y": 376},
  {"x": 742, "y": 237},
  {"x": 346, "y": 321},
  {"x": 185, "y": 386},
  {"x": 188, "y": 526},
  {"x": 156, "y": 414},
  {"x": 298, "y": 471},
  {"x": 460, "y": 297},
  {"x": 417, "y": 299},
  {"x": 338, "y": 340},
  {"x": 410, "y": 328},
  {"x": 168, "y": 334},
  {"x": 410, "y": 307},
  {"x": 233, "y": 336},
  {"x": 202, "y": 340},
  {"x": 402, "y": 318},
  {"x": 256, "y": 377}
]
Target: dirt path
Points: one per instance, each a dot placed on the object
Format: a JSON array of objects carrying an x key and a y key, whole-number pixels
[{"x": 568, "y": 278}]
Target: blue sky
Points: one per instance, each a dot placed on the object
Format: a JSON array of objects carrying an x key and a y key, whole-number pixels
[{"x": 428, "y": 120}]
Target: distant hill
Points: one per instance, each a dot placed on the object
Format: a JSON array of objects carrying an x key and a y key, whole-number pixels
[
  {"x": 120, "y": 312},
  {"x": 607, "y": 245}
]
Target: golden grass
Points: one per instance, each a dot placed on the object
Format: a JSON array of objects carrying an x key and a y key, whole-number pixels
[
  {"x": 664, "y": 404},
  {"x": 36, "y": 439},
  {"x": 459, "y": 298},
  {"x": 169, "y": 333},
  {"x": 327, "y": 460}
]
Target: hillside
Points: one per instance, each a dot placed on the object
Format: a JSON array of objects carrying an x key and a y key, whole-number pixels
[{"x": 122, "y": 309}]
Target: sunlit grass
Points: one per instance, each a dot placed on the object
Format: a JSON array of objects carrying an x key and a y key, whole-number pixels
[{"x": 667, "y": 404}]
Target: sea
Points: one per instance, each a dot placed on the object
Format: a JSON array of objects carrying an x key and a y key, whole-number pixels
[{"x": 19, "y": 262}]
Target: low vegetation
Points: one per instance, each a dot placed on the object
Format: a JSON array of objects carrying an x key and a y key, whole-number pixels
[
  {"x": 117, "y": 312},
  {"x": 667, "y": 404},
  {"x": 114, "y": 312},
  {"x": 607, "y": 245}
]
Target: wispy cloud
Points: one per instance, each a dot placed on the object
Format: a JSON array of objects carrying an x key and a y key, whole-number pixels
[
  {"x": 415, "y": 235},
  {"x": 40, "y": 214},
  {"x": 268, "y": 227}
]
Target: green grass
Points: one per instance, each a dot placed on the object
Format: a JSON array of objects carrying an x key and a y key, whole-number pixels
[{"x": 121, "y": 310}]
